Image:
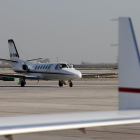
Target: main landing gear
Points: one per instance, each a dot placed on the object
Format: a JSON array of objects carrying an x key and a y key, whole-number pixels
[{"x": 22, "y": 82}]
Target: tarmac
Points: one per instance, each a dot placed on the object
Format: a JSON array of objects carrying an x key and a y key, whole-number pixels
[{"x": 47, "y": 97}]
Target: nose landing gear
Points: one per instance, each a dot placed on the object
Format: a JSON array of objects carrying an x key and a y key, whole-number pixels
[
  {"x": 60, "y": 83},
  {"x": 70, "y": 84}
]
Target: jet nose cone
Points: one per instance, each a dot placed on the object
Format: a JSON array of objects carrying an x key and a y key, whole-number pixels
[{"x": 78, "y": 75}]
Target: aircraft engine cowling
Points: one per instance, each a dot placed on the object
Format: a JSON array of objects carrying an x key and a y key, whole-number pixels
[{"x": 25, "y": 67}]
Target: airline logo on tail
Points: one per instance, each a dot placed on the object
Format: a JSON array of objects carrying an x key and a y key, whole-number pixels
[{"x": 13, "y": 55}]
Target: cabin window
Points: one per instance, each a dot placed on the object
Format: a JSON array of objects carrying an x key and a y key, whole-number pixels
[
  {"x": 35, "y": 67},
  {"x": 41, "y": 67},
  {"x": 46, "y": 67},
  {"x": 38, "y": 67}
]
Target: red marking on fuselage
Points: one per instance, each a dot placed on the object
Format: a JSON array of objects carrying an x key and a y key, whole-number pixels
[{"x": 134, "y": 90}]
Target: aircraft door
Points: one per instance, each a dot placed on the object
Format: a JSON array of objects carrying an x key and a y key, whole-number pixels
[{"x": 49, "y": 68}]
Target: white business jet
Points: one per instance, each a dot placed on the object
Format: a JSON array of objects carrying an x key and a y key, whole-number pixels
[
  {"x": 129, "y": 98},
  {"x": 45, "y": 71}
]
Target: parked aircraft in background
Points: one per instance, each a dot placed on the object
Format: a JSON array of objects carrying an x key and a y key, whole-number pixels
[{"x": 45, "y": 71}]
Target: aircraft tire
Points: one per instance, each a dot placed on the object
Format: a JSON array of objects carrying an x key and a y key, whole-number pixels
[
  {"x": 60, "y": 83},
  {"x": 70, "y": 84},
  {"x": 22, "y": 83}
]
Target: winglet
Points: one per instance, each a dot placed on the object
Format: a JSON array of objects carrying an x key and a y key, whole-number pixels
[{"x": 129, "y": 66}]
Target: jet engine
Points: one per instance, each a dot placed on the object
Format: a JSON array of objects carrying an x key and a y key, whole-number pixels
[{"x": 25, "y": 67}]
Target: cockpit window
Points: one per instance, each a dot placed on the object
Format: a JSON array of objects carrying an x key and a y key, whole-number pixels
[{"x": 60, "y": 66}]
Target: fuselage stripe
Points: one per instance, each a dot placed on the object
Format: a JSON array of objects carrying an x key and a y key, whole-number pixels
[
  {"x": 41, "y": 72},
  {"x": 132, "y": 90}
]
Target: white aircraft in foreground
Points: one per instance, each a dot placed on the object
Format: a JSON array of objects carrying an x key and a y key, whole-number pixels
[
  {"x": 129, "y": 98},
  {"x": 45, "y": 71}
]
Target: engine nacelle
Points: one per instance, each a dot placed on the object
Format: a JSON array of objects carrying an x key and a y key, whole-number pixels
[{"x": 25, "y": 67}]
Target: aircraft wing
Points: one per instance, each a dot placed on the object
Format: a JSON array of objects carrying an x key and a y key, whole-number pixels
[
  {"x": 19, "y": 76},
  {"x": 97, "y": 74},
  {"x": 8, "y": 61},
  {"x": 40, "y": 123}
]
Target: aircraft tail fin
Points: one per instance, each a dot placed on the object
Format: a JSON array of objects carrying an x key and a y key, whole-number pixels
[
  {"x": 129, "y": 66},
  {"x": 14, "y": 56}
]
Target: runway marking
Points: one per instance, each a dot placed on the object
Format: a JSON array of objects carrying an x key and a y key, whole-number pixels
[{"x": 113, "y": 132}]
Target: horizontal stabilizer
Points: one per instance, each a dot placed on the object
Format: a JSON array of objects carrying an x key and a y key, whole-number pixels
[
  {"x": 8, "y": 61},
  {"x": 35, "y": 59}
]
